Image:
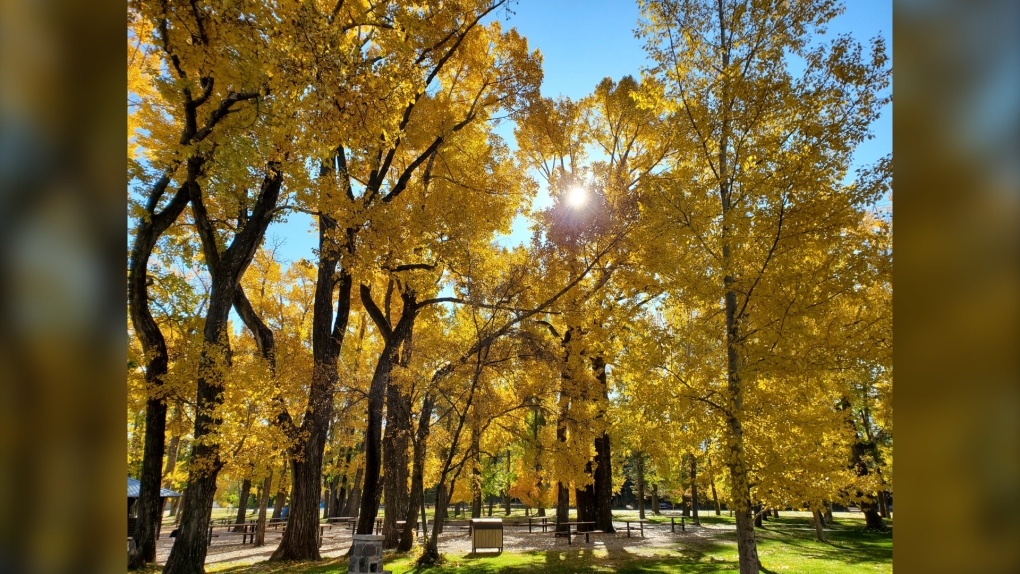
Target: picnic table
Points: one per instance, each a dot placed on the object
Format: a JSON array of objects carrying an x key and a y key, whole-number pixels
[
  {"x": 641, "y": 522},
  {"x": 577, "y": 530},
  {"x": 247, "y": 529},
  {"x": 672, "y": 524},
  {"x": 352, "y": 521},
  {"x": 542, "y": 521}
]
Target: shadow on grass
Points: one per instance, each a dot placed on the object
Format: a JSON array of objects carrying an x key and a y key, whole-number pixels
[{"x": 850, "y": 546}]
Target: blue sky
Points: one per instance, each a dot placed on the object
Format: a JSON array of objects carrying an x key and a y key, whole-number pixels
[{"x": 584, "y": 41}]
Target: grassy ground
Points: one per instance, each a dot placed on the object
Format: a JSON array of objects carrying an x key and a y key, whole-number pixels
[{"x": 786, "y": 544}]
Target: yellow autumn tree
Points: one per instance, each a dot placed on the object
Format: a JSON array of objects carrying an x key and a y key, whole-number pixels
[{"x": 751, "y": 218}]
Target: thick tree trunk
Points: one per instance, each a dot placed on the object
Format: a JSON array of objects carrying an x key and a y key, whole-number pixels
[
  {"x": 331, "y": 495},
  {"x": 872, "y": 519},
  {"x": 758, "y": 516},
  {"x": 828, "y": 514},
  {"x": 395, "y": 445},
  {"x": 300, "y": 540},
  {"x": 506, "y": 503},
  {"x": 301, "y": 536},
  {"x": 740, "y": 501},
  {"x": 187, "y": 555},
  {"x": 278, "y": 503},
  {"x": 281, "y": 491},
  {"x": 562, "y": 506},
  {"x": 260, "y": 524},
  {"x": 371, "y": 490},
  {"x": 655, "y": 501},
  {"x": 603, "y": 462},
  {"x": 242, "y": 504}
]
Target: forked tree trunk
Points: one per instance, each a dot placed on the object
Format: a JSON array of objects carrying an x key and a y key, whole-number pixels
[
  {"x": 187, "y": 556},
  {"x": 372, "y": 491}
]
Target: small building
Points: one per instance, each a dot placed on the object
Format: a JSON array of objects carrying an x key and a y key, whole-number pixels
[{"x": 133, "y": 488}]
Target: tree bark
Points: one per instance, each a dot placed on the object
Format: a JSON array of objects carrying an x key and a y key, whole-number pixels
[
  {"x": 819, "y": 525},
  {"x": 640, "y": 465},
  {"x": 281, "y": 492},
  {"x": 380, "y": 381},
  {"x": 694, "y": 491},
  {"x": 883, "y": 504},
  {"x": 242, "y": 504},
  {"x": 187, "y": 556},
  {"x": 603, "y": 459},
  {"x": 476, "y": 474},
  {"x": 147, "y": 231},
  {"x": 395, "y": 445},
  {"x": 655, "y": 501},
  {"x": 715, "y": 498},
  {"x": 260, "y": 524},
  {"x": 300, "y": 540},
  {"x": 354, "y": 500},
  {"x": 417, "y": 497}
]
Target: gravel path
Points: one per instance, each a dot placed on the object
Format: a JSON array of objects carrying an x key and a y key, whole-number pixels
[{"x": 456, "y": 542}]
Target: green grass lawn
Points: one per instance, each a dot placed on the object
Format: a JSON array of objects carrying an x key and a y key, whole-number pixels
[{"x": 786, "y": 544}]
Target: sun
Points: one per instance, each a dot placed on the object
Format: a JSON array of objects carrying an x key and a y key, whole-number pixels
[{"x": 577, "y": 196}]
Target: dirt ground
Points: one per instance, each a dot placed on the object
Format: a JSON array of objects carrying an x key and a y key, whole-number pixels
[{"x": 456, "y": 541}]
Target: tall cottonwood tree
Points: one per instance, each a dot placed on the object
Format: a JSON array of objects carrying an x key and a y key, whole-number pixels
[
  {"x": 216, "y": 97},
  {"x": 368, "y": 164},
  {"x": 760, "y": 197},
  {"x": 599, "y": 148},
  {"x": 181, "y": 95}
]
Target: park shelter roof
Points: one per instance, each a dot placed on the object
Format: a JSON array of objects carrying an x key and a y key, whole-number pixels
[{"x": 134, "y": 487}]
